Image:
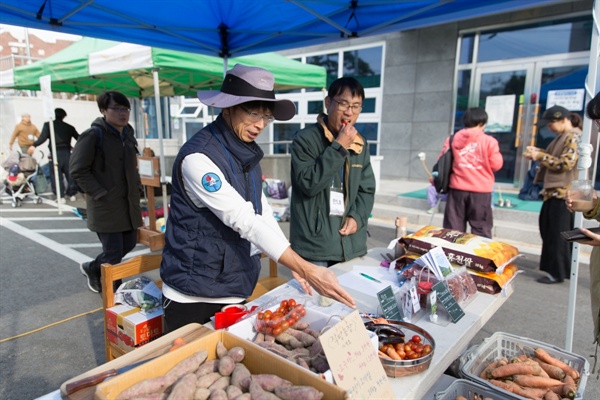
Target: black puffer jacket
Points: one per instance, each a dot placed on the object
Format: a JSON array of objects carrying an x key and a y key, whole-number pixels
[{"x": 105, "y": 168}]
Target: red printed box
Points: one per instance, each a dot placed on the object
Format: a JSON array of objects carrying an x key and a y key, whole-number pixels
[{"x": 132, "y": 327}]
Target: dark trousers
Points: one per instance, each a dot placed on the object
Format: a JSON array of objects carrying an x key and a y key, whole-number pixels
[
  {"x": 64, "y": 156},
  {"x": 177, "y": 314},
  {"x": 472, "y": 207},
  {"x": 115, "y": 246},
  {"x": 556, "y": 252}
]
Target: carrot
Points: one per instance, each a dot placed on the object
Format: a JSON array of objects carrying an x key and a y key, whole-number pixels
[
  {"x": 502, "y": 385},
  {"x": 460, "y": 398},
  {"x": 383, "y": 355},
  {"x": 547, "y": 358},
  {"x": 393, "y": 353},
  {"x": 569, "y": 387},
  {"x": 512, "y": 369},
  {"x": 488, "y": 369},
  {"x": 535, "y": 381},
  {"x": 550, "y": 395},
  {"x": 530, "y": 393},
  {"x": 552, "y": 370}
]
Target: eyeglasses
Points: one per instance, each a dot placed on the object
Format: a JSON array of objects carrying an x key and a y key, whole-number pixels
[
  {"x": 345, "y": 106},
  {"x": 255, "y": 117},
  {"x": 120, "y": 110}
]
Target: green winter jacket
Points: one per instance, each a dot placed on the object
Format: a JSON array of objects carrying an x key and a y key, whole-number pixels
[{"x": 317, "y": 160}]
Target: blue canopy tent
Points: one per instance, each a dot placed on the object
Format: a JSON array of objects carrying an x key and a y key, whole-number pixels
[{"x": 237, "y": 27}]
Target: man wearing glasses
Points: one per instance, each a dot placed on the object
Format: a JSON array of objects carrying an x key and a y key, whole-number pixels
[
  {"x": 333, "y": 186},
  {"x": 104, "y": 165}
]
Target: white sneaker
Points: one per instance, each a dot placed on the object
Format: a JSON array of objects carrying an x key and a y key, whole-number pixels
[
  {"x": 432, "y": 210},
  {"x": 72, "y": 198},
  {"x": 63, "y": 200}
]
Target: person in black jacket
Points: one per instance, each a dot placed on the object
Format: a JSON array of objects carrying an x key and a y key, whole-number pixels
[
  {"x": 104, "y": 165},
  {"x": 63, "y": 133}
]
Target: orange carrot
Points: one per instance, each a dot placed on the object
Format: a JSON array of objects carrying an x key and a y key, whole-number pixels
[
  {"x": 530, "y": 393},
  {"x": 535, "y": 381},
  {"x": 502, "y": 384},
  {"x": 547, "y": 358},
  {"x": 512, "y": 369},
  {"x": 550, "y": 395},
  {"x": 383, "y": 355},
  {"x": 488, "y": 369},
  {"x": 393, "y": 353},
  {"x": 552, "y": 370},
  {"x": 569, "y": 387}
]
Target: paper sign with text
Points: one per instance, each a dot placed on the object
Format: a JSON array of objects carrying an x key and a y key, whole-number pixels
[{"x": 354, "y": 361}]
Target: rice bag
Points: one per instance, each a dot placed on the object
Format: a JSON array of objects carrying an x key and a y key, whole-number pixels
[{"x": 472, "y": 251}]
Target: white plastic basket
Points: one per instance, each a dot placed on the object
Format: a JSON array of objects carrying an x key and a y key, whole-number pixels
[
  {"x": 470, "y": 390},
  {"x": 502, "y": 344}
]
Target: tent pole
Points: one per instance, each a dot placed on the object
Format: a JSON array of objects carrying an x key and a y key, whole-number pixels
[
  {"x": 592, "y": 86},
  {"x": 160, "y": 141}
]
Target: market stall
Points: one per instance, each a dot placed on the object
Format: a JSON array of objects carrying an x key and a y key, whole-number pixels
[{"x": 450, "y": 339}]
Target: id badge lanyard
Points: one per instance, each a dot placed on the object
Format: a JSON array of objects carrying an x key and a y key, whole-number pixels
[{"x": 336, "y": 196}]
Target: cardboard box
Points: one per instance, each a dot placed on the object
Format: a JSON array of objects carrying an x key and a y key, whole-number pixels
[
  {"x": 257, "y": 360},
  {"x": 317, "y": 321},
  {"x": 128, "y": 327}
]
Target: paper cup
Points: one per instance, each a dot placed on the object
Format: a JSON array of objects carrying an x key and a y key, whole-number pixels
[{"x": 582, "y": 195}]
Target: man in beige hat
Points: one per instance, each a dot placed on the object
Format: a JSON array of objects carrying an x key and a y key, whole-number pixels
[
  {"x": 25, "y": 133},
  {"x": 220, "y": 221}
]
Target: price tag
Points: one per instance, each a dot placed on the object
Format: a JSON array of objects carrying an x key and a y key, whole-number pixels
[
  {"x": 414, "y": 298},
  {"x": 389, "y": 305},
  {"x": 354, "y": 361},
  {"x": 448, "y": 302}
]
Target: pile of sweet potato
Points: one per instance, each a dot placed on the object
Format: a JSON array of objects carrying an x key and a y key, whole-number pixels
[
  {"x": 299, "y": 344},
  {"x": 224, "y": 378},
  {"x": 538, "y": 377}
]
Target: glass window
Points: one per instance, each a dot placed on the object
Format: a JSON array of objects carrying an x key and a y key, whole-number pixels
[
  {"x": 149, "y": 107},
  {"x": 368, "y": 105},
  {"x": 190, "y": 111},
  {"x": 192, "y": 127},
  {"x": 369, "y": 131},
  {"x": 330, "y": 62},
  {"x": 364, "y": 65},
  {"x": 467, "y": 44},
  {"x": 282, "y": 137},
  {"x": 462, "y": 97},
  {"x": 315, "y": 107},
  {"x": 553, "y": 37}
]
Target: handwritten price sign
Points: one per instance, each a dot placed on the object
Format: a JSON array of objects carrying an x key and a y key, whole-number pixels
[{"x": 354, "y": 361}]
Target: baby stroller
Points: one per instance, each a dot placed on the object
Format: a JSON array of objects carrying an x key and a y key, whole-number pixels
[{"x": 20, "y": 182}]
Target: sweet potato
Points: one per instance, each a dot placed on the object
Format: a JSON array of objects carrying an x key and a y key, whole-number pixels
[
  {"x": 258, "y": 393},
  {"x": 221, "y": 349},
  {"x": 201, "y": 394},
  {"x": 547, "y": 358},
  {"x": 152, "y": 396},
  {"x": 269, "y": 382},
  {"x": 237, "y": 354},
  {"x": 535, "y": 381},
  {"x": 188, "y": 365},
  {"x": 283, "y": 352},
  {"x": 300, "y": 325},
  {"x": 184, "y": 388},
  {"x": 239, "y": 374},
  {"x": 218, "y": 394},
  {"x": 298, "y": 393},
  {"x": 303, "y": 363},
  {"x": 226, "y": 365},
  {"x": 205, "y": 381},
  {"x": 245, "y": 396},
  {"x": 220, "y": 383},
  {"x": 269, "y": 338},
  {"x": 312, "y": 332},
  {"x": 306, "y": 339},
  {"x": 512, "y": 369},
  {"x": 260, "y": 337},
  {"x": 233, "y": 391},
  {"x": 208, "y": 367},
  {"x": 289, "y": 341},
  {"x": 147, "y": 386}
]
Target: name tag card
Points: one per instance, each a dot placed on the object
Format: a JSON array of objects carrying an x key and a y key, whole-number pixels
[
  {"x": 448, "y": 302},
  {"x": 389, "y": 305},
  {"x": 354, "y": 361}
]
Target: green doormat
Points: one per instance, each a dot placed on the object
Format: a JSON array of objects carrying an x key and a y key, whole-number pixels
[{"x": 516, "y": 203}]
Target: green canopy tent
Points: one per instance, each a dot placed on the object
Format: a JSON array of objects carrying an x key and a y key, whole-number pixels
[{"x": 92, "y": 66}]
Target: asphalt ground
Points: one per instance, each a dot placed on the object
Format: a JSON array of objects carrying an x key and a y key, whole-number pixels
[{"x": 51, "y": 324}]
